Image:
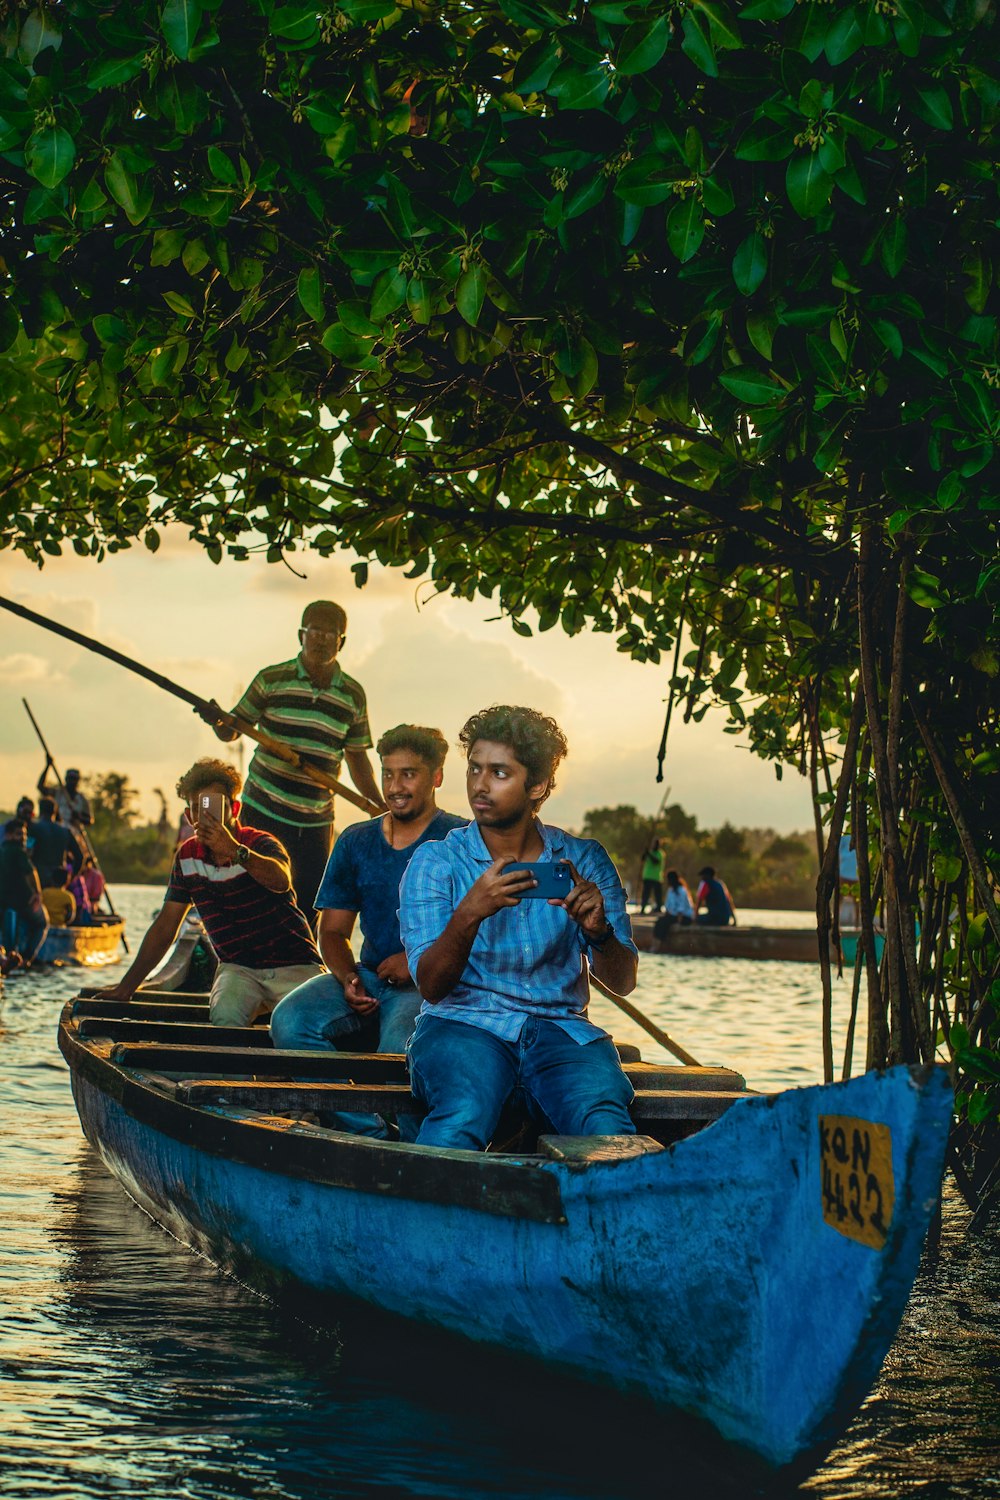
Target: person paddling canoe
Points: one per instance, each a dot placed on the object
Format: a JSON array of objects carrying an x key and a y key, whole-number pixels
[{"x": 312, "y": 705}]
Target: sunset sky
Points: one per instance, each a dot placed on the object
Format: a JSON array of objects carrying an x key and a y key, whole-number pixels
[{"x": 435, "y": 662}]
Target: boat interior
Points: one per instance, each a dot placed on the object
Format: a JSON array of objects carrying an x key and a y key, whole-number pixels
[{"x": 165, "y": 1038}]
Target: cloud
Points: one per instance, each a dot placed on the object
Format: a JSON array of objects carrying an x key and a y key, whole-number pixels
[{"x": 22, "y": 668}]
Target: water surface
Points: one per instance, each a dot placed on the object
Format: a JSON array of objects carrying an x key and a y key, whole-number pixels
[{"x": 129, "y": 1365}]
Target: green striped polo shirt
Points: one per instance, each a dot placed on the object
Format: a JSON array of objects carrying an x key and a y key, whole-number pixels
[{"x": 320, "y": 722}]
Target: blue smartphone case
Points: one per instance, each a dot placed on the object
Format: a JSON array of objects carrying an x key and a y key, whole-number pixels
[{"x": 554, "y": 879}]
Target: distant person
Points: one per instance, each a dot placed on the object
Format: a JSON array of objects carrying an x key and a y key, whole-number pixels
[
  {"x": 25, "y": 810},
  {"x": 93, "y": 879},
  {"x": 60, "y": 907},
  {"x": 71, "y": 804},
  {"x": 362, "y": 880},
  {"x": 504, "y": 976},
  {"x": 715, "y": 898},
  {"x": 23, "y": 923},
  {"x": 312, "y": 705},
  {"x": 678, "y": 906},
  {"x": 240, "y": 881},
  {"x": 653, "y": 860},
  {"x": 77, "y": 888},
  {"x": 52, "y": 844}
]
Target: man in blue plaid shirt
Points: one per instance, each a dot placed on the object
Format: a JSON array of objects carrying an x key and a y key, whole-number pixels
[{"x": 504, "y": 976}]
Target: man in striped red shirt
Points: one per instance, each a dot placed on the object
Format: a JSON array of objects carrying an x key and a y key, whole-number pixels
[{"x": 239, "y": 880}]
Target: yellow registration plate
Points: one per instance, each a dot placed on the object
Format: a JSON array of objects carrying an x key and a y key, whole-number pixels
[{"x": 857, "y": 1185}]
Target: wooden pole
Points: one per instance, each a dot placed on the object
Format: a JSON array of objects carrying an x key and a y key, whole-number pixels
[
  {"x": 211, "y": 712},
  {"x": 635, "y": 1014}
]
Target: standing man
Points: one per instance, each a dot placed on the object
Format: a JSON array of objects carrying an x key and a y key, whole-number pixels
[
  {"x": 312, "y": 705},
  {"x": 362, "y": 879},
  {"x": 504, "y": 975},
  {"x": 23, "y": 923},
  {"x": 71, "y": 804},
  {"x": 239, "y": 880}
]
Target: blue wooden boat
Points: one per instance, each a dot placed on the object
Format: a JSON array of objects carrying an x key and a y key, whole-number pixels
[{"x": 746, "y": 1259}]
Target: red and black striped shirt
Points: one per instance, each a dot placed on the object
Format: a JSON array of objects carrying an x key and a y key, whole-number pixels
[{"x": 246, "y": 924}]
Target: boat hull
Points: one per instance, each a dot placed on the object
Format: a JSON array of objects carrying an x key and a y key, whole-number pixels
[
  {"x": 92, "y": 947},
  {"x": 704, "y": 1276},
  {"x": 781, "y": 944}
]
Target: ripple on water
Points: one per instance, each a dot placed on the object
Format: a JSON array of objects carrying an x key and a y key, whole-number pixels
[{"x": 129, "y": 1365}]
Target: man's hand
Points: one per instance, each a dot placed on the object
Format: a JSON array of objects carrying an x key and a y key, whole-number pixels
[
  {"x": 585, "y": 905},
  {"x": 216, "y": 836},
  {"x": 120, "y": 991},
  {"x": 357, "y": 996},
  {"x": 495, "y": 890},
  {"x": 394, "y": 970}
]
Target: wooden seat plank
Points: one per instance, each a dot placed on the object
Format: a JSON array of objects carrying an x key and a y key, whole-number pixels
[{"x": 278, "y": 1097}]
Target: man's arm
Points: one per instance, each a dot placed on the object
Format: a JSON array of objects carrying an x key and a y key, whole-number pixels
[
  {"x": 615, "y": 963},
  {"x": 333, "y": 934},
  {"x": 363, "y": 776},
  {"x": 152, "y": 949},
  {"x": 272, "y": 873},
  {"x": 74, "y": 853}
]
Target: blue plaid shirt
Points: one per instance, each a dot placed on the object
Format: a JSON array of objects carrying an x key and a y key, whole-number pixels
[{"x": 526, "y": 960}]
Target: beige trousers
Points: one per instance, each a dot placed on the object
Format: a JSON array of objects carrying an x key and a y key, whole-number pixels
[{"x": 240, "y": 994}]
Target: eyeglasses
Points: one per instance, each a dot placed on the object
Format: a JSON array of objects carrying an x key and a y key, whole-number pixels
[{"x": 322, "y": 635}]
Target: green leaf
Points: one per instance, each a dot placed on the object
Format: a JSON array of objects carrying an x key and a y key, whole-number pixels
[
  {"x": 49, "y": 155},
  {"x": 766, "y": 140},
  {"x": 114, "y": 70},
  {"x": 38, "y": 32},
  {"x": 750, "y": 264},
  {"x": 536, "y": 66},
  {"x": 10, "y": 324},
  {"x": 419, "y": 301},
  {"x": 717, "y": 196},
  {"x": 167, "y": 245},
  {"x": 761, "y": 328},
  {"x": 310, "y": 293},
  {"x": 585, "y": 197},
  {"x": 934, "y": 106},
  {"x": 580, "y": 89},
  {"x": 179, "y": 22},
  {"x": 844, "y": 38},
  {"x": 643, "y": 45},
  {"x": 892, "y": 248},
  {"x": 388, "y": 294},
  {"x": 179, "y": 304},
  {"x": 751, "y": 386},
  {"x": 220, "y": 166},
  {"x": 127, "y": 193},
  {"x": 722, "y": 28},
  {"x": 195, "y": 257},
  {"x": 685, "y": 227},
  {"x": 470, "y": 293},
  {"x": 808, "y": 185},
  {"x": 697, "y": 44}
]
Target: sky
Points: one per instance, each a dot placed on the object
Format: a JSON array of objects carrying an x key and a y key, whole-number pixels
[{"x": 435, "y": 662}]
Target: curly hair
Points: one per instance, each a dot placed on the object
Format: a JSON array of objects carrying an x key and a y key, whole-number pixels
[
  {"x": 536, "y": 740},
  {"x": 429, "y": 745},
  {"x": 207, "y": 772}
]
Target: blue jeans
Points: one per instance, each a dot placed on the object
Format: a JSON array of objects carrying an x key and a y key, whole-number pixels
[
  {"x": 23, "y": 932},
  {"x": 465, "y": 1074},
  {"x": 316, "y": 1016}
]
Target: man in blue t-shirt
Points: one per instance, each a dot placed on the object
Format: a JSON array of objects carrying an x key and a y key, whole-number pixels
[{"x": 362, "y": 879}]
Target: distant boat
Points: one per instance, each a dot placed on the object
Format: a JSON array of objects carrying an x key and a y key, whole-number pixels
[
  {"x": 93, "y": 946},
  {"x": 746, "y": 1259},
  {"x": 787, "y": 944}
]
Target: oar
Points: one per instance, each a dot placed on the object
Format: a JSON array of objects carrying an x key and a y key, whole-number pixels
[
  {"x": 636, "y": 1015},
  {"x": 215, "y": 714},
  {"x": 88, "y": 842}
]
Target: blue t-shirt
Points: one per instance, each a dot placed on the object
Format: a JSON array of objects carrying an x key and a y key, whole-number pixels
[{"x": 363, "y": 875}]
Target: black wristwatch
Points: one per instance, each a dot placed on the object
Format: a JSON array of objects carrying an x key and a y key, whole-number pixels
[
  {"x": 243, "y": 855},
  {"x": 598, "y": 942}
]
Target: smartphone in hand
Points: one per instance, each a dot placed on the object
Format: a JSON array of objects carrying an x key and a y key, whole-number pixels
[
  {"x": 213, "y": 803},
  {"x": 555, "y": 880}
]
